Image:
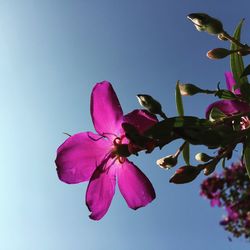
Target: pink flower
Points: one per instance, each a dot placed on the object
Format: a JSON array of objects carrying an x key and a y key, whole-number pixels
[
  {"x": 229, "y": 107},
  {"x": 102, "y": 158},
  {"x": 232, "y": 214}
]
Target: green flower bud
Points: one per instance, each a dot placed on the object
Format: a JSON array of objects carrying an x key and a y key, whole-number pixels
[
  {"x": 167, "y": 162},
  {"x": 202, "y": 157},
  {"x": 149, "y": 103},
  {"x": 189, "y": 89},
  {"x": 185, "y": 174},
  {"x": 218, "y": 53},
  {"x": 204, "y": 22}
]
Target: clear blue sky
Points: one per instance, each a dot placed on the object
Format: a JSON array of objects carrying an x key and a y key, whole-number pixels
[{"x": 52, "y": 52}]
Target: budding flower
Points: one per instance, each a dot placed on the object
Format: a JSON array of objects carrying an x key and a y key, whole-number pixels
[
  {"x": 202, "y": 157},
  {"x": 149, "y": 103},
  {"x": 204, "y": 22},
  {"x": 218, "y": 53},
  {"x": 167, "y": 162},
  {"x": 189, "y": 89},
  {"x": 185, "y": 174}
]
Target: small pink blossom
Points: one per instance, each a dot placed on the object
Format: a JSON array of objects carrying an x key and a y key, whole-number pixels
[
  {"x": 102, "y": 158},
  {"x": 245, "y": 122}
]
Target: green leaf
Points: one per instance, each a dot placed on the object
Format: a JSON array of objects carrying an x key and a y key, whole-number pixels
[
  {"x": 178, "y": 99},
  {"x": 246, "y": 71},
  {"x": 247, "y": 155},
  {"x": 180, "y": 110},
  {"x": 186, "y": 153},
  {"x": 236, "y": 61}
]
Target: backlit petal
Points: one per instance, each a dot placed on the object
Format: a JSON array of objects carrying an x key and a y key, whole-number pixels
[
  {"x": 228, "y": 107},
  {"x": 100, "y": 192},
  {"x": 231, "y": 83},
  {"x": 106, "y": 110},
  {"x": 141, "y": 119},
  {"x": 79, "y": 155},
  {"x": 135, "y": 187}
]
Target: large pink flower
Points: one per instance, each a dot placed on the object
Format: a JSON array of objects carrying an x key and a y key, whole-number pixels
[
  {"x": 229, "y": 107},
  {"x": 101, "y": 158}
]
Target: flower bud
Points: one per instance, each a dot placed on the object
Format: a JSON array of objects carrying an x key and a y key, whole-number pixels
[
  {"x": 167, "y": 162},
  {"x": 218, "y": 53},
  {"x": 204, "y": 22},
  {"x": 149, "y": 103},
  {"x": 202, "y": 157},
  {"x": 185, "y": 174},
  {"x": 210, "y": 168},
  {"x": 189, "y": 89}
]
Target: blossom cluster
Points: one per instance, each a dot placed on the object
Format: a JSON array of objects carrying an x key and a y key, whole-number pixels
[{"x": 231, "y": 190}]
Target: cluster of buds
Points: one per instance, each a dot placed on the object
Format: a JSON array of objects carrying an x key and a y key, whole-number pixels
[
  {"x": 211, "y": 133},
  {"x": 213, "y": 26},
  {"x": 231, "y": 190},
  {"x": 189, "y": 173}
]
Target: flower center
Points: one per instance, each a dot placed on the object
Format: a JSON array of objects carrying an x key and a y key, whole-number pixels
[{"x": 120, "y": 150}]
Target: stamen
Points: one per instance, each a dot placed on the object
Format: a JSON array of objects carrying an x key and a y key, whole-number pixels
[
  {"x": 121, "y": 159},
  {"x": 117, "y": 141},
  {"x": 104, "y": 134},
  {"x": 94, "y": 139}
]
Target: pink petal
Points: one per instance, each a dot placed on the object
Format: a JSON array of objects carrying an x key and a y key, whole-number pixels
[
  {"x": 100, "y": 192},
  {"x": 228, "y": 107},
  {"x": 106, "y": 110},
  {"x": 135, "y": 187},
  {"x": 79, "y": 155},
  {"x": 215, "y": 202},
  {"x": 231, "y": 82},
  {"x": 141, "y": 119}
]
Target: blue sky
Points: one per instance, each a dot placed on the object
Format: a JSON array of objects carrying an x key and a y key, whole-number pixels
[{"x": 51, "y": 55}]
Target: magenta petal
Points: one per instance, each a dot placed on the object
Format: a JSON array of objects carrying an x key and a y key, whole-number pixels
[
  {"x": 141, "y": 119},
  {"x": 135, "y": 187},
  {"x": 228, "y": 107},
  {"x": 100, "y": 192},
  {"x": 79, "y": 155},
  {"x": 106, "y": 110},
  {"x": 215, "y": 202},
  {"x": 231, "y": 82}
]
